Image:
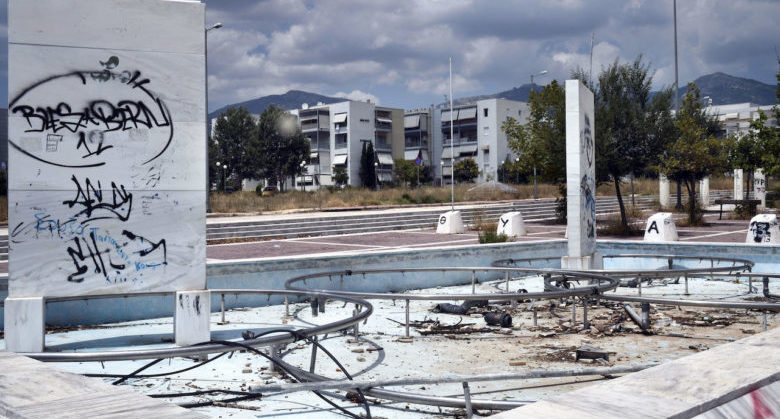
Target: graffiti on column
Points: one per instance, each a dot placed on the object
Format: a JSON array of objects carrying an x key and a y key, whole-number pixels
[
  {"x": 588, "y": 184},
  {"x": 88, "y": 123}
]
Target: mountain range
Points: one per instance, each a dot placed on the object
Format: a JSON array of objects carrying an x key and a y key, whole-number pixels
[{"x": 721, "y": 88}]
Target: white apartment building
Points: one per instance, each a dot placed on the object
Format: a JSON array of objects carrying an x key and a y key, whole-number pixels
[
  {"x": 337, "y": 133},
  {"x": 477, "y": 134},
  {"x": 736, "y": 117}
]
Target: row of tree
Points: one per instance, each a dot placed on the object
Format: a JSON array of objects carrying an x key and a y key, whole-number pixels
[
  {"x": 271, "y": 148},
  {"x": 636, "y": 133}
]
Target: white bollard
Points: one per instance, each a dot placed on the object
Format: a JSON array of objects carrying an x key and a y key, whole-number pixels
[
  {"x": 450, "y": 222},
  {"x": 661, "y": 228},
  {"x": 704, "y": 191},
  {"x": 191, "y": 317},
  {"x": 25, "y": 324},
  {"x": 511, "y": 224},
  {"x": 764, "y": 229},
  {"x": 739, "y": 193},
  {"x": 759, "y": 187},
  {"x": 663, "y": 191}
]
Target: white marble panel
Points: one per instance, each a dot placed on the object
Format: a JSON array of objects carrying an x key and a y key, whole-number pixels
[
  {"x": 24, "y": 324},
  {"x": 129, "y": 87},
  {"x": 106, "y": 146},
  {"x": 41, "y": 162},
  {"x": 580, "y": 169},
  {"x": 191, "y": 317},
  {"x": 141, "y": 25},
  {"x": 109, "y": 241}
]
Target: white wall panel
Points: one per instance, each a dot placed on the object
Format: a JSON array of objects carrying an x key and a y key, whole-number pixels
[
  {"x": 137, "y": 25},
  {"x": 107, "y": 147},
  {"x": 131, "y": 241}
]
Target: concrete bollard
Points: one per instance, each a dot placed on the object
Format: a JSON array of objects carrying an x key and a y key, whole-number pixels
[
  {"x": 661, "y": 228},
  {"x": 764, "y": 229},
  {"x": 451, "y": 222},
  {"x": 511, "y": 224}
]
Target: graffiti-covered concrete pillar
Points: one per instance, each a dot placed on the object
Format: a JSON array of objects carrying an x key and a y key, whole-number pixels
[
  {"x": 106, "y": 147},
  {"x": 759, "y": 187},
  {"x": 580, "y": 178}
]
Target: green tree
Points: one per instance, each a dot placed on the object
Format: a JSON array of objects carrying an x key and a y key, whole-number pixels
[
  {"x": 340, "y": 176},
  {"x": 282, "y": 147},
  {"x": 406, "y": 171},
  {"x": 466, "y": 170},
  {"x": 233, "y": 144},
  {"x": 541, "y": 143},
  {"x": 630, "y": 125},
  {"x": 367, "y": 168},
  {"x": 695, "y": 153}
]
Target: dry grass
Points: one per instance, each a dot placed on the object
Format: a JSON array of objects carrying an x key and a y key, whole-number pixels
[{"x": 250, "y": 202}]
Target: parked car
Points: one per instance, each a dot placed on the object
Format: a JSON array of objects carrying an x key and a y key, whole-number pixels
[{"x": 270, "y": 191}]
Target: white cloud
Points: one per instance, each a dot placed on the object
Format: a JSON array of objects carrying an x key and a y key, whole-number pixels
[{"x": 358, "y": 95}]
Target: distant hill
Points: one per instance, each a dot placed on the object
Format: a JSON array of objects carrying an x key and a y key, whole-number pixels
[
  {"x": 724, "y": 89},
  {"x": 290, "y": 100},
  {"x": 516, "y": 93},
  {"x": 721, "y": 88}
]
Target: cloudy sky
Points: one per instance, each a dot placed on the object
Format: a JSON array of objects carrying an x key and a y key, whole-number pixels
[{"x": 396, "y": 52}]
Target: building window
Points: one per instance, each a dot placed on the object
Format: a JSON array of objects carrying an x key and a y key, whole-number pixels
[
  {"x": 341, "y": 140},
  {"x": 486, "y": 130},
  {"x": 485, "y": 112}
]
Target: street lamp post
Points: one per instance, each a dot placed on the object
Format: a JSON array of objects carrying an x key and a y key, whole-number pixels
[
  {"x": 206, "y": 109},
  {"x": 219, "y": 177},
  {"x": 517, "y": 165},
  {"x": 303, "y": 175},
  {"x": 376, "y": 175},
  {"x": 452, "y": 146},
  {"x": 224, "y": 176},
  {"x": 319, "y": 177},
  {"x": 541, "y": 73}
]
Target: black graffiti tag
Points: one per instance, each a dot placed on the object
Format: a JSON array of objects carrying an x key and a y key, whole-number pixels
[
  {"x": 119, "y": 205},
  {"x": 83, "y": 118}
]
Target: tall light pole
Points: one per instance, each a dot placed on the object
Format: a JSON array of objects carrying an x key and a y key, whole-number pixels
[
  {"x": 676, "y": 96},
  {"x": 541, "y": 73},
  {"x": 376, "y": 175},
  {"x": 452, "y": 146},
  {"x": 319, "y": 172},
  {"x": 303, "y": 175},
  {"x": 206, "y": 110}
]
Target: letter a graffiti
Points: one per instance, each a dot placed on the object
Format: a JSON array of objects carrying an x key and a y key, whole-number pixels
[{"x": 653, "y": 226}]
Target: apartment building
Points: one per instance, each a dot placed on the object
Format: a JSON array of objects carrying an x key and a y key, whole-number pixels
[
  {"x": 337, "y": 133},
  {"x": 476, "y": 133},
  {"x": 736, "y": 117},
  {"x": 417, "y": 135}
]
